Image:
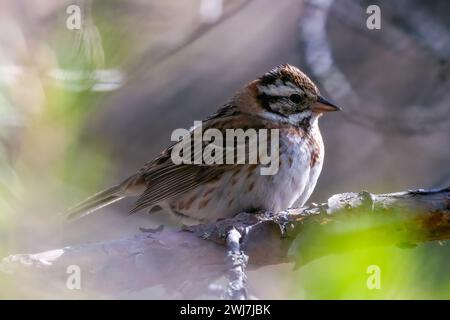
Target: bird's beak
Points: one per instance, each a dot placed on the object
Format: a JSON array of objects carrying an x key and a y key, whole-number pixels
[{"x": 322, "y": 105}]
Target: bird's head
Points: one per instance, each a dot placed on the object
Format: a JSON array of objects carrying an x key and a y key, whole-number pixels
[{"x": 287, "y": 93}]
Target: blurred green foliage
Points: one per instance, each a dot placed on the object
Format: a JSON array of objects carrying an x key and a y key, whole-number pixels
[{"x": 371, "y": 265}]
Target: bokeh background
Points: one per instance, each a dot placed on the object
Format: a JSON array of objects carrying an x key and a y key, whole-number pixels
[{"x": 83, "y": 109}]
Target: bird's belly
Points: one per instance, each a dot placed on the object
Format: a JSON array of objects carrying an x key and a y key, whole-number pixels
[{"x": 246, "y": 189}]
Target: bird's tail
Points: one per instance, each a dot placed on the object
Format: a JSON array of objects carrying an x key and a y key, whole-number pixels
[{"x": 106, "y": 197}]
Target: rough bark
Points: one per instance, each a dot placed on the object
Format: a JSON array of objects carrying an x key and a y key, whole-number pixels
[{"x": 187, "y": 261}]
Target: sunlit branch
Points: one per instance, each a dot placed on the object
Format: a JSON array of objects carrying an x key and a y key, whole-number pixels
[{"x": 186, "y": 261}]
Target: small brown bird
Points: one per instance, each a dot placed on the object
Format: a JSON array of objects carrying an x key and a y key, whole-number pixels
[{"x": 284, "y": 99}]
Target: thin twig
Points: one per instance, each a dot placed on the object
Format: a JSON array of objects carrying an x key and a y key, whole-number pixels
[{"x": 237, "y": 261}]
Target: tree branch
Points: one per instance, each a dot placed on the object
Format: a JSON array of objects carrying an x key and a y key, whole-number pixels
[
  {"x": 186, "y": 261},
  {"x": 237, "y": 261}
]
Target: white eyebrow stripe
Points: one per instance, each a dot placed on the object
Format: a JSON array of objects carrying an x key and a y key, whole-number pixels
[{"x": 280, "y": 89}]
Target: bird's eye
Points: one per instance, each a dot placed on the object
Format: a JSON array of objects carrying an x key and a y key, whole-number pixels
[{"x": 295, "y": 98}]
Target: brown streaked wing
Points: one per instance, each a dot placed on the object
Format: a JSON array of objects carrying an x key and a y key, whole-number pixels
[
  {"x": 181, "y": 179},
  {"x": 165, "y": 179}
]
